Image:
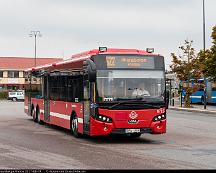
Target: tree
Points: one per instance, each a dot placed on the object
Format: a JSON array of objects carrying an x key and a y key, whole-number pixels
[
  {"x": 186, "y": 68},
  {"x": 211, "y": 58}
]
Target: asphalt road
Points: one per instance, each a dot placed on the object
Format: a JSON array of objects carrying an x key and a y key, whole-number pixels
[{"x": 190, "y": 143}]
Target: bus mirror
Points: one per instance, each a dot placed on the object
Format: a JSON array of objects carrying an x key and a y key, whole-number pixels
[
  {"x": 92, "y": 75},
  {"x": 91, "y": 69}
]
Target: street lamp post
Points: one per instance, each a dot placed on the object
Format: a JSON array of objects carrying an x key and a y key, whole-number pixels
[
  {"x": 35, "y": 34},
  {"x": 204, "y": 47}
]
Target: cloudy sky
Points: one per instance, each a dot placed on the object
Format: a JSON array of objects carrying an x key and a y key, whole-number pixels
[{"x": 72, "y": 26}]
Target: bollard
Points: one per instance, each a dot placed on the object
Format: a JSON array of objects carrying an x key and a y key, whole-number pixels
[{"x": 173, "y": 100}]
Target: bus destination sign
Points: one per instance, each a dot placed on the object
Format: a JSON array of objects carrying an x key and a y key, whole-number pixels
[{"x": 129, "y": 62}]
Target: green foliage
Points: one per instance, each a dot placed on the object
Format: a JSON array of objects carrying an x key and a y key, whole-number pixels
[
  {"x": 191, "y": 66},
  {"x": 211, "y": 58},
  {"x": 202, "y": 61},
  {"x": 185, "y": 66},
  {"x": 3, "y": 95}
]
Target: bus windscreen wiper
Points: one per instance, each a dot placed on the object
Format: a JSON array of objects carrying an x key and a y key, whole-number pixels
[
  {"x": 116, "y": 105},
  {"x": 135, "y": 104}
]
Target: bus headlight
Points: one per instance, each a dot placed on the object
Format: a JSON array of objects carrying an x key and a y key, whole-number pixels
[
  {"x": 159, "y": 117},
  {"x": 104, "y": 118}
]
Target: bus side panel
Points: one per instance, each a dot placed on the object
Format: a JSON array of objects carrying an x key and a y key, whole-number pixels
[
  {"x": 213, "y": 97},
  {"x": 197, "y": 97},
  {"x": 78, "y": 109},
  {"x": 58, "y": 114},
  {"x": 40, "y": 103}
]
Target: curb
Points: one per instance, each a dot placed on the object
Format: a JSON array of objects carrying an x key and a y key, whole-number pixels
[{"x": 193, "y": 110}]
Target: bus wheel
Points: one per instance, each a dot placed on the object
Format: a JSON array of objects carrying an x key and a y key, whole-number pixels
[
  {"x": 38, "y": 116},
  {"x": 34, "y": 115},
  {"x": 74, "y": 126}
]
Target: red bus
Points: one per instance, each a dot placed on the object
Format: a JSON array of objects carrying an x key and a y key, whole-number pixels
[{"x": 101, "y": 92}]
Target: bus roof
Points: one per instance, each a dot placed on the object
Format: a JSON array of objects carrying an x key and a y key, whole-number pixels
[
  {"x": 77, "y": 59},
  {"x": 112, "y": 51}
]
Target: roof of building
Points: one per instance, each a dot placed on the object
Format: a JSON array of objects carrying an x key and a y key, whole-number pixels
[{"x": 21, "y": 63}]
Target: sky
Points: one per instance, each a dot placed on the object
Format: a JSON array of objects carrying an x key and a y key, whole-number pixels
[{"x": 72, "y": 26}]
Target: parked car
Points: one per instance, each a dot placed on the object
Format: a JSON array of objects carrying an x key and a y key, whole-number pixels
[{"x": 16, "y": 95}]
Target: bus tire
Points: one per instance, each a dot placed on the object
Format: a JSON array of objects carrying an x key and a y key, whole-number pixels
[
  {"x": 74, "y": 125},
  {"x": 33, "y": 114},
  {"x": 32, "y": 110},
  {"x": 38, "y": 116}
]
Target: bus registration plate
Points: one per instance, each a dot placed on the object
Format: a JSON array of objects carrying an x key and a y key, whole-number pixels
[{"x": 132, "y": 130}]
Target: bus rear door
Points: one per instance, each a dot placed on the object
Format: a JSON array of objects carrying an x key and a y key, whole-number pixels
[{"x": 46, "y": 97}]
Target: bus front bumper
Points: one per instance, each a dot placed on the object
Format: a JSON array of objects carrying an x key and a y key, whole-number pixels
[{"x": 100, "y": 128}]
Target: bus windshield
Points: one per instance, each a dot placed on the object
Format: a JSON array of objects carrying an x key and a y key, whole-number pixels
[{"x": 117, "y": 85}]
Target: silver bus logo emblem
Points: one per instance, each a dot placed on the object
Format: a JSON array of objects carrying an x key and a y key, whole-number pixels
[{"x": 133, "y": 115}]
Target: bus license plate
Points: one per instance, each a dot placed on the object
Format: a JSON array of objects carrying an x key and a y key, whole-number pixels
[{"x": 132, "y": 130}]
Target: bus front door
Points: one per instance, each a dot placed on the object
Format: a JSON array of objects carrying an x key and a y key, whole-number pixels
[
  {"x": 46, "y": 97},
  {"x": 86, "y": 106}
]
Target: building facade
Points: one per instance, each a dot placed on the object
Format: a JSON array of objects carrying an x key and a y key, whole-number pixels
[{"x": 12, "y": 75}]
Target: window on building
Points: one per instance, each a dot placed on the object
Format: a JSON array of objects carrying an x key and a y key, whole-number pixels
[
  {"x": 13, "y": 74},
  {"x": 1, "y": 74}
]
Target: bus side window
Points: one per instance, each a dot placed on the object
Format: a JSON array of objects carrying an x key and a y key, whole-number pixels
[
  {"x": 54, "y": 88},
  {"x": 75, "y": 88},
  {"x": 62, "y": 88},
  {"x": 70, "y": 89},
  {"x": 79, "y": 88}
]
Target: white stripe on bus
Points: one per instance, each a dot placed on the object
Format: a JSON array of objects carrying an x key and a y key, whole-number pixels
[
  {"x": 63, "y": 116},
  {"x": 196, "y": 97}
]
